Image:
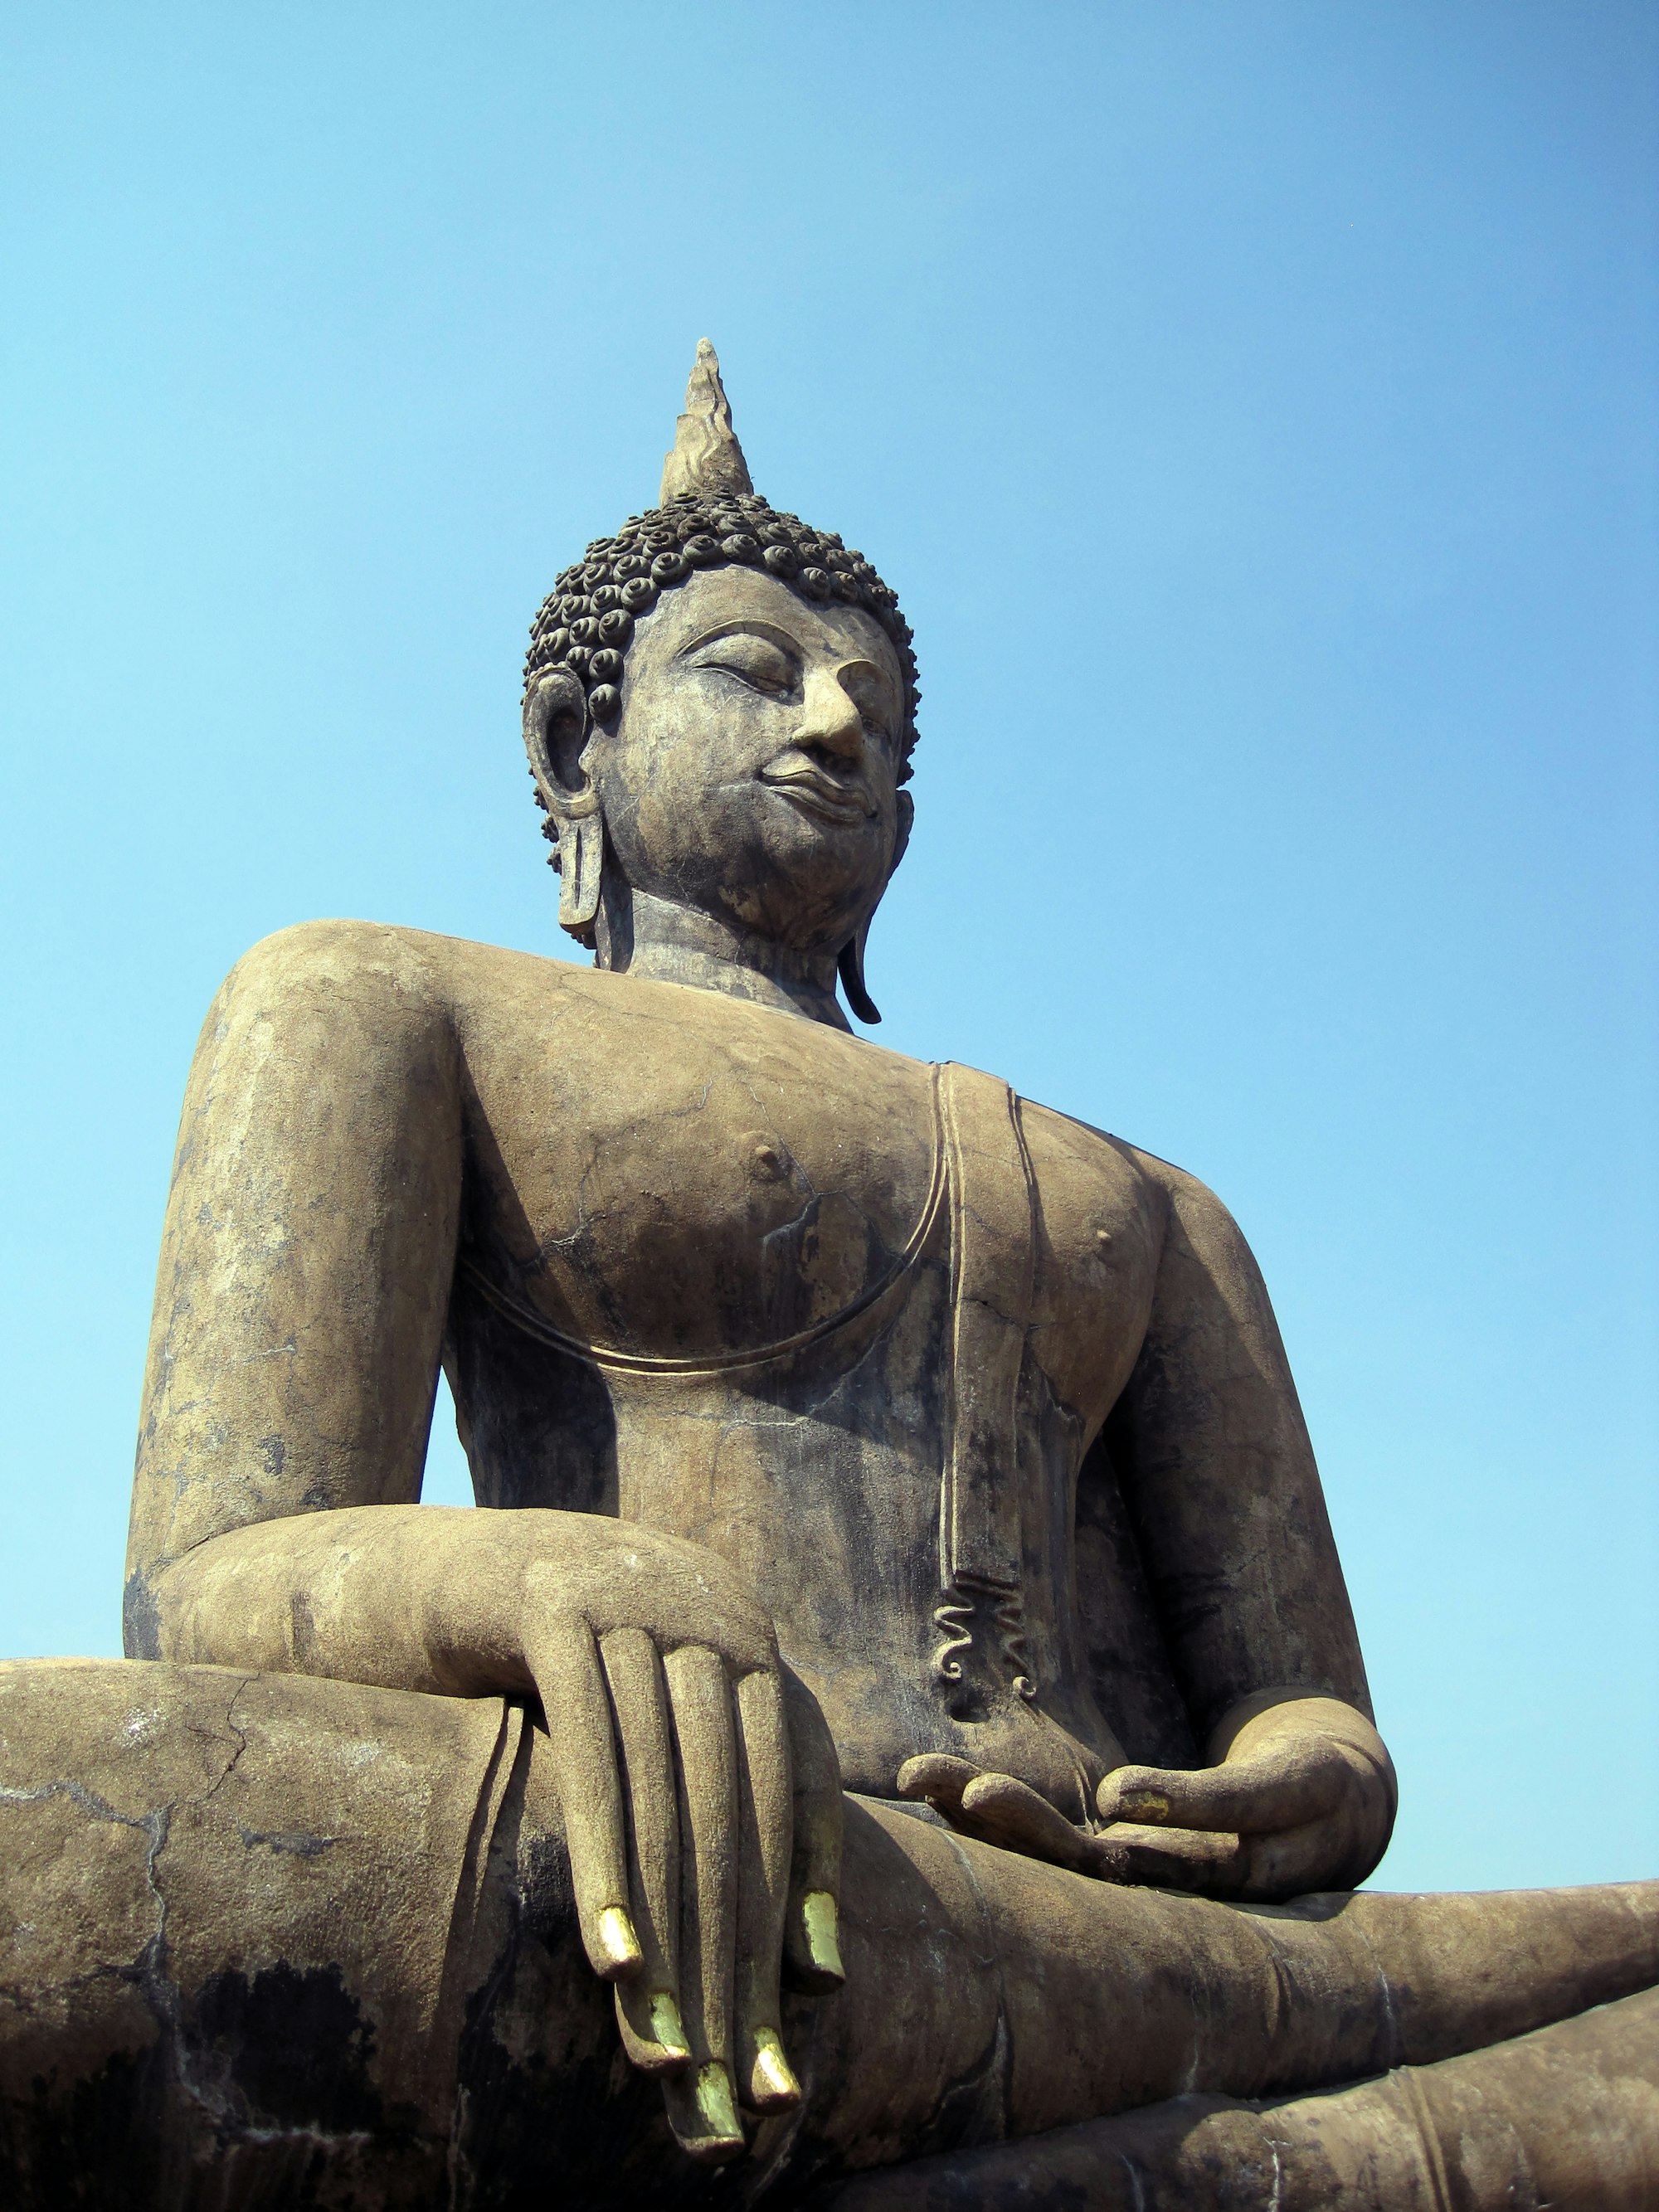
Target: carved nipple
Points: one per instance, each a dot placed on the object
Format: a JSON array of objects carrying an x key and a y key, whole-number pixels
[{"x": 707, "y": 456}]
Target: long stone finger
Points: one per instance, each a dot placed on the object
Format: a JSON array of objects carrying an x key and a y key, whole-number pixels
[
  {"x": 701, "y": 2107},
  {"x": 811, "y": 1925},
  {"x": 1004, "y": 1810},
  {"x": 648, "y": 2002},
  {"x": 1205, "y": 1861},
  {"x": 936, "y": 1779},
  {"x": 564, "y": 1664},
  {"x": 766, "y": 2080},
  {"x": 1278, "y": 1788}
]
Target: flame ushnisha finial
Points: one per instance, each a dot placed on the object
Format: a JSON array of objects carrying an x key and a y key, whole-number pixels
[{"x": 707, "y": 456}]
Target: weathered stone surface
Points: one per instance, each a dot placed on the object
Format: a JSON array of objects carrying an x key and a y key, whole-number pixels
[
  {"x": 304, "y": 1941},
  {"x": 1567, "y": 2115},
  {"x": 840, "y": 1424}
]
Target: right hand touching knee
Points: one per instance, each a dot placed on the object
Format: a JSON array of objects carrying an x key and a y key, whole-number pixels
[{"x": 700, "y": 1793}]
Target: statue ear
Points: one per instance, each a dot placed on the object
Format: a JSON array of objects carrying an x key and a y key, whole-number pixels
[
  {"x": 555, "y": 738},
  {"x": 851, "y": 963},
  {"x": 905, "y": 825}
]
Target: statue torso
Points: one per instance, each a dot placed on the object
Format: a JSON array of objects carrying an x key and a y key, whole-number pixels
[{"x": 705, "y": 1282}]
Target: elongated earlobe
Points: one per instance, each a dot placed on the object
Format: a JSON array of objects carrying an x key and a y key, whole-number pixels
[
  {"x": 555, "y": 727},
  {"x": 850, "y": 965},
  {"x": 580, "y": 862}
]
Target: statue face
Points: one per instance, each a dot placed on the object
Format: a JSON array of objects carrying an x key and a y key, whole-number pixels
[{"x": 752, "y": 773}]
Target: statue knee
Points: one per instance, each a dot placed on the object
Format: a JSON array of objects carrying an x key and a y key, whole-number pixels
[{"x": 252, "y": 1920}]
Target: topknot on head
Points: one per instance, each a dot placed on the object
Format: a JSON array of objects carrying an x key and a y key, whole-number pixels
[{"x": 707, "y": 457}]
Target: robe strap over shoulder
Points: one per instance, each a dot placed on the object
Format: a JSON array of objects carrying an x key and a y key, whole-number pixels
[{"x": 992, "y": 1200}]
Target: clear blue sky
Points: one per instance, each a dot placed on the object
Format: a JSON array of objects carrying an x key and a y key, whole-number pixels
[{"x": 1254, "y": 406}]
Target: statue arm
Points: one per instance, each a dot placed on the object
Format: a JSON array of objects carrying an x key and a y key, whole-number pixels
[
  {"x": 1219, "y": 1474},
  {"x": 1210, "y": 1445},
  {"x": 306, "y": 1253},
  {"x": 304, "y": 1282}
]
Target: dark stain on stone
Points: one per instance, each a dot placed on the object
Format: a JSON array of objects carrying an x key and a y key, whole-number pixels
[
  {"x": 296, "y": 1842},
  {"x": 141, "y": 1623},
  {"x": 96, "y": 2144},
  {"x": 296, "y": 2046}
]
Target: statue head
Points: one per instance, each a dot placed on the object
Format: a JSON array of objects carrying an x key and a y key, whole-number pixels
[{"x": 719, "y": 710}]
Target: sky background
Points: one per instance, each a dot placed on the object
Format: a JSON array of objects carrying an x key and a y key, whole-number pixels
[{"x": 1254, "y": 406}]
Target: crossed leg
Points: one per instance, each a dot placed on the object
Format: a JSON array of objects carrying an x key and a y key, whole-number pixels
[{"x": 275, "y": 1939}]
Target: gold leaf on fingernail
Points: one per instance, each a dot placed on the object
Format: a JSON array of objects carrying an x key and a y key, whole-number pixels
[
  {"x": 818, "y": 1914},
  {"x": 667, "y": 2027},
  {"x": 774, "y": 2078},
  {"x": 716, "y": 2104},
  {"x": 1145, "y": 1805},
  {"x": 619, "y": 1947}
]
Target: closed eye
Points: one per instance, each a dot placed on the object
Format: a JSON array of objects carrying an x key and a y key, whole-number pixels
[
  {"x": 754, "y": 662},
  {"x": 770, "y": 687}
]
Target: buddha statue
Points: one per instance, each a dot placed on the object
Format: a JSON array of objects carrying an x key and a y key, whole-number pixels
[{"x": 893, "y": 1724}]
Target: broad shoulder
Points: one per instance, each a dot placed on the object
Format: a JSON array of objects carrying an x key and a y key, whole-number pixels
[
  {"x": 362, "y": 965},
  {"x": 1181, "y": 1205}
]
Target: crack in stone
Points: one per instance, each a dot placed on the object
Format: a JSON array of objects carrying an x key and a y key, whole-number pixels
[
  {"x": 77, "y": 1793},
  {"x": 148, "y": 1971}
]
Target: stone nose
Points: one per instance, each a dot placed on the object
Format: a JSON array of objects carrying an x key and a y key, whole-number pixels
[{"x": 831, "y": 721}]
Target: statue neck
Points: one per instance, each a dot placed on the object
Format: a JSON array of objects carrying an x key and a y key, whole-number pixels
[{"x": 637, "y": 933}]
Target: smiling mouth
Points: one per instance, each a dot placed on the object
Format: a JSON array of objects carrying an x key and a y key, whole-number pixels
[{"x": 819, "y": 794}]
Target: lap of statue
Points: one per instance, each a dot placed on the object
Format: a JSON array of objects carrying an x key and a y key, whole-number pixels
[{"x": 277, "y": 1940}]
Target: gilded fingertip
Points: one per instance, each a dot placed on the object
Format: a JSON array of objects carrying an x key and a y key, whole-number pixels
[
  {"x": 667, "y": 2028},
  {"x": 716, "y": 2105},
  {"x": 821, "y": 1922},
  {"x": 619, "y": 1946},
  {"x": 772, "y": 2080}
]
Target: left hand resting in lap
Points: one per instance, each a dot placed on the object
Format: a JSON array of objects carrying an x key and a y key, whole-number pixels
[{"x": 1301, "y": 1796}]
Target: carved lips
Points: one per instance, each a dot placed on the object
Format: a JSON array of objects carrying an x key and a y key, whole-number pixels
[{"x": 816, "y": 792}]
